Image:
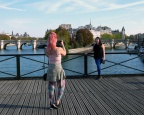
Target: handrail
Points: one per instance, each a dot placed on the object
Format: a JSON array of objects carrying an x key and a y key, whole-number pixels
[{"x": 84, "y": 65}]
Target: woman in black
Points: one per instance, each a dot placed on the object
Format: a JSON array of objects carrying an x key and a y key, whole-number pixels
[{"x": 99, "y": 54}]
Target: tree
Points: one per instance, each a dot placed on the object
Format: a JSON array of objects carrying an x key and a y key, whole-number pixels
[
  {"x": 4, "y": 37},
  {"x": 63, "y": 34},
  {"x": 47, "y": 34},
  {"x": 13, "y": 38},
  {"x": 131, "y": 37},
  {"x": 117, "y": 36},
  {"x": 106, "y": 36},
  {"x": 80, "y": 39},
  {"x": 85, "y": 35}
]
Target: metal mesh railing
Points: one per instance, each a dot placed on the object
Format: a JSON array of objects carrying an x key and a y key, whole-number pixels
[{"x": 78, "y": 64}]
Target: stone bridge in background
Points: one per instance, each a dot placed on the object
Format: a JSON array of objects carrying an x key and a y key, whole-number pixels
[
  {"x": 20, "y": 43},
  {"x": 35, "y": 43},
  {"x": 114, "y": 42}
]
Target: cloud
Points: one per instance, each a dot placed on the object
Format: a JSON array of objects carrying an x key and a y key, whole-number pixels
[
  {"x": 117, "y": 6},
  {"x": 81, "y": 6},
  {"x": 60, "y": 6},
  {"x": 47, "y": 6},
  {"x": 76, "y": 6},
  {"x": 8, "y": 6}
]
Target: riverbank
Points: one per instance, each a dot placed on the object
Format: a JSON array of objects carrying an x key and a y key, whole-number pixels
[
  {"x": 80, "y": 50},
  {"x": 84, "y": 49},
  {"x": 11, "y": 44}
]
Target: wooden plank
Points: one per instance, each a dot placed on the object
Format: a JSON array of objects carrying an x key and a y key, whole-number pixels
[
  {"x": 88, "y": 96},
  {"x": 14, "y": 87},
  {"x": 29, "y": 97},
  {"x": 99, "y": 90},
  {"x": 65, "y": 104},
  {"x": 7, "y": 87},
  {"x": 73, "y": 98},
  {"x": 25, "y": 86},
  {"x": 126, "y": 105},
  {"x": 42, "y": 102},
  {"x": 2, "y": 103},
  {"x": 13, "y": 105},
  {"x": 8, "y": 104},
  {"x": 36, "y": 105},
  {"x": 3, "y": 84},
  {"x": 97, "y": 99},
  {"x": 32, "y": 98},
  {"x": 47, "y": 101},
  {"x": 131, "y": 101},
  {"x": 81, "y": 103},
  {"x": 137, "y": 97}
]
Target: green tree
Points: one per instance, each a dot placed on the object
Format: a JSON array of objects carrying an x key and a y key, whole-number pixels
[
  {"x": 85, "y": 35},
  {"x": 80, "y": 39},
  {"x": 13, "y": 38},
  {"x": 117, "y": 36},
  {"x": 127, "y": 37},
  {"x": 131, "y": 37},
  {"x": 4, "y": 37},
  {"x": 63, "y": 34},
  {"x": 47, "y": 34},
  {"x": 106, "y": 36}
]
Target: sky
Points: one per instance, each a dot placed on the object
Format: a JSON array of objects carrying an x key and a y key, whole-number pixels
[{"x": 36, "y": 16}]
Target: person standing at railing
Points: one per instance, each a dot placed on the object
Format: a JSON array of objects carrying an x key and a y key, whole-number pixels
[
  {"x": 99, "y": 54},
  {"x": 55, "y": 72}
]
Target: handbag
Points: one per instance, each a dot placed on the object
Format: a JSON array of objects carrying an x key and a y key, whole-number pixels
[{"x": 45, "y": 77}]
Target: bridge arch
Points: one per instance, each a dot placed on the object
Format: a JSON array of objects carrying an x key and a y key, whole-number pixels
[
  {"x": 5, "y": 45},
  {"x": 22, "y": 45},
  {"x": 119, "y": 43}
]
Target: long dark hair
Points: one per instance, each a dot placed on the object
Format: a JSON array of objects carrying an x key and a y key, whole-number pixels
[{"x": 100, "y": 43}]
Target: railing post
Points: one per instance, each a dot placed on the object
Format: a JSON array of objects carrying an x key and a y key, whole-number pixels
[
  {"x": 18, "y": 66},
  {"x": 85, "y": 65}
]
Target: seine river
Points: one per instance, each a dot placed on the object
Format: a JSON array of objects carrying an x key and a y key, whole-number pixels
[{"x": 73, "y": 64}]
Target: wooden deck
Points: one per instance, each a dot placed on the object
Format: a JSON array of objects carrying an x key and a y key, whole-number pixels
[{"x": 88, "y": 96}]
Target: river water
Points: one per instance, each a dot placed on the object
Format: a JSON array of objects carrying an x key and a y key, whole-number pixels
[{"x": 73, "y": 64}]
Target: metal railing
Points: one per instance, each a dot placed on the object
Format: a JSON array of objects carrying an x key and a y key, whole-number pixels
[{"x": 19, "y": 66}]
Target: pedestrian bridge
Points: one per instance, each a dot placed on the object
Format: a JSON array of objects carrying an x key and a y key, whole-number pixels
[
  {"x": 34, "y": 43},
  {"x": 20, "y": 43},
  {"x": 123, "y": 95}
]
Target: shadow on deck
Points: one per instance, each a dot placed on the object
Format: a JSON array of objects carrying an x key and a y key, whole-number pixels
[{"x": 83, "y": 96}]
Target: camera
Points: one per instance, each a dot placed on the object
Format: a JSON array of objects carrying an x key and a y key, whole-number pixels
[{"x": 58, "y": 44}]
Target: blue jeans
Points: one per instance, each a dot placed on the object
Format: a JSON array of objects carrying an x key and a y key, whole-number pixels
[{"x": 98, "y": 64}]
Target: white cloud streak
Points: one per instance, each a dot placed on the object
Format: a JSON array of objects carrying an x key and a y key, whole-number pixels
[
  {"x": 77, "y": 6},
  {"x": 116, "y": 6},
  {"x": 8, "y": 6},
  {"x": 81, "y": 5}
]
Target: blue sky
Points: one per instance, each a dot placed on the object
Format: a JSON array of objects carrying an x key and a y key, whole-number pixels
[{"x": 36, "y": 16}]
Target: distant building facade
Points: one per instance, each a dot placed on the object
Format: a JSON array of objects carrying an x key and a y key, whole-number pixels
[
  {"x": 97, "y": 32},
  {"x": 16, "y": 35},
  {"x": 66, "y": 26}
]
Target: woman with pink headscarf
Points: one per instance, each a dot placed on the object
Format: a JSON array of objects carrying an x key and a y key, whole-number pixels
[{"x": 55, "y": 72}]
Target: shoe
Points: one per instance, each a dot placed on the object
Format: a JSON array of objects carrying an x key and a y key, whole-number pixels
[
  {"x": 99, "y": 77},
  {"x": 52, "y": 106},
  {"x": 56, "y": 106}
]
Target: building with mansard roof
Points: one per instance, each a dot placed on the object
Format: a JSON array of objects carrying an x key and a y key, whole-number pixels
[{"x": 66, "y": 26}]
